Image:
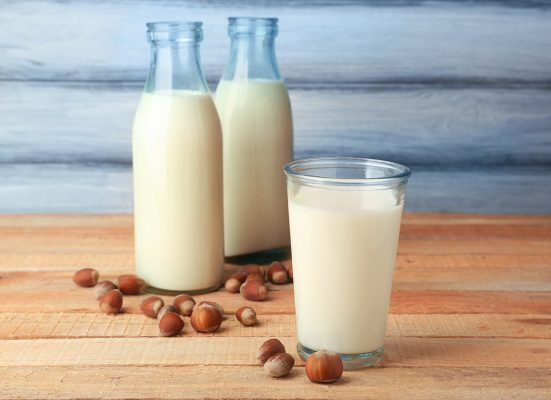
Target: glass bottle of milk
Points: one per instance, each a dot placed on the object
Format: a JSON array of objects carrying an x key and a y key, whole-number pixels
[
  {"x": 177, "y": 161},
  {"x": 257, "y": 129}
]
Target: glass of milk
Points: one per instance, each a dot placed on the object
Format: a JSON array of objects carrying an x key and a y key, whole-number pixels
[
  {"x": 344, "y": 217},
  {"x": 177, "y": 162}
]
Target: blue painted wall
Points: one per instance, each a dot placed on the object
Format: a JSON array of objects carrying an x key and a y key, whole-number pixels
[{"x": 459, "y": 91}]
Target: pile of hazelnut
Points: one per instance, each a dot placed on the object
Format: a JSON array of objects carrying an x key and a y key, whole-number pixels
[
  {"x": 206, "y": 316},
  {"x": 321, "y": 367},
  {"x": 249, "y": 280}
]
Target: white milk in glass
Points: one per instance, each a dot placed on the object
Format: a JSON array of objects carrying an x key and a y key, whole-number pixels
[
  {"x": 257, "y": 134},
  {"x": 344, "y": 246},
  {"x": 177, "y": 157}
]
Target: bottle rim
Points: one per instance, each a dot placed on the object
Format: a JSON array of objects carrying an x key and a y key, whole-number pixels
[
  {"x": 266, "y": 21},
  {"x": 174, "y": 26}
]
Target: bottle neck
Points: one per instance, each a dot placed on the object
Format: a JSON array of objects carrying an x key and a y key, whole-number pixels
[
  {"x": 175, "y": 60},
  {"x": 252, "y": 50}
]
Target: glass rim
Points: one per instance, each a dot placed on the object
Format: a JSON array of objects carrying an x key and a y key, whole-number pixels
[
  {"x": 298, "y": 171},
  {"x": 167, "y": 26}
]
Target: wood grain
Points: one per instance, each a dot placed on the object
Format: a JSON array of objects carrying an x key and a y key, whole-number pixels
[
  {"x": 361, "y": 40},
  {"x": 176, "y": 351},
  {"x": 244, "y": 382},
  {"x": 417, "y": 125},
  {"x": 48, "y": 292},
  {"x": 464, "y": 112},
  {"x": 479, "y": 337},
  {"x": 40, "y": 325}
]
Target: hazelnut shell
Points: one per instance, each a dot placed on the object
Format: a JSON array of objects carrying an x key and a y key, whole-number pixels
[
  {"x": 151, "y": 306},
  {"x": 111, "y": 302},
  {"x": 279, "y": 365},
  {"x": 130, "y": 284},
  {"x": 170, "y": 324},
  {"x": 269, "y": 348},
  {"x": 206, "y": 318},
  {"x": 86, "y": 277},
  {"x": 324, "y": 367}
]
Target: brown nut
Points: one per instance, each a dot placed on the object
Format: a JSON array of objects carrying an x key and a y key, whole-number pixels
[
  {"x": 111, "y": 302},
  {"x": 277, "y": 273},
  {"x": 254, "y": 290},
  {"x": 170, "y": 324},
  {"x": 217, "y": 306},
  {"x": 279, "y": 365},
  {"x": 253, "y": 269},
  {"x": 130, "y": 284},
  {"x": 164, "y": 309},
  {"x": 255, "y": 277},
  {"x": 103, "y": 287},
  {"x": 86, "y": 277},
  {"x": 269, "y": 348},
  {"x": 206, "y": 318},
  {"x": 151, "y": 306},
  {"x": 290, "y": 271},
  {"x": 324, "y": 367},
  {"x": 234, "y": 281},
  {"x": 246, "y": 315},
  {"x": 184, "y": 303}
]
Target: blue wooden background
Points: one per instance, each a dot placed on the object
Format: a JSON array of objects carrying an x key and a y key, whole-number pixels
[{"x": 458, "y": 90}]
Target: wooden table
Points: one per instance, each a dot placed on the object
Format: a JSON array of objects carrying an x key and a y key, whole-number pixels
[{"x": 470, "y": 318}]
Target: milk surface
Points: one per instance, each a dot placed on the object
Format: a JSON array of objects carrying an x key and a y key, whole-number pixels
[
  {"x": 177, "y": 160},
  {"x": 258, "y": 141},
  {"x": 344, "y": 248}
]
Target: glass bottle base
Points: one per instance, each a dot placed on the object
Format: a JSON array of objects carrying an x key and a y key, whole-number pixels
[
  {"x": 165, "y": 292},
  {"x": 261, "y": 257},
  {"x": 350, "y": 361}
]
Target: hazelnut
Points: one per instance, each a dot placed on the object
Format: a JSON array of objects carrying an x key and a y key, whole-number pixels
[
  {"x": 103, "y": 287},
  {"x": 246, "y": 315},
  {"x": 254, "y": 290},
  {"x": 324, "y": 367},
  {"x": 206, "y": 318},
  {"x": 111, "y": 302},
  {"x": 252, "y": 269},
  {"x": 184, "y": 303},
  {"x": 277, "y": 273},
  {"x": 86, "y": 277},
  {"x": 254, "y": 277},
  {"x": 217, "y": 306},
  {"x": 130, "y": 284},
  {"x": 170, "y": 324},
  {"x": 163, "y": 310},
  {"x": 279, "y": 365},
  {"x": 269, "y": 348},
  {"x": 234, "y": 282},
  {"x": 151, "y": 306}
]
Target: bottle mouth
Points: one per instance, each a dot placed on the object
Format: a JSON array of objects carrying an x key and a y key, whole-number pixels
[
  {"x": 174, "y": 32},
  {"x": 257, "y": 26},
  {"x": 171, "y": 26},
  {"x": 347, "y": 171}
]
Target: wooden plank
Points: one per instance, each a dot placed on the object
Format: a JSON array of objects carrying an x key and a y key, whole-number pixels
[
  {"x": 118, "y": 239},
  {"x": 230, "y": 382},
  {"x": 215, "y": 350},
  {"x": 414, "y": 225},
  {"x": 414, "y": 125},
  {"x": 368, "y": 41},
  {"x": 54, "y": 292},
  {"x": 40, "y": 325},
  {"x": 108, "y": 189},
  {"x": 413, "y": 271}
]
